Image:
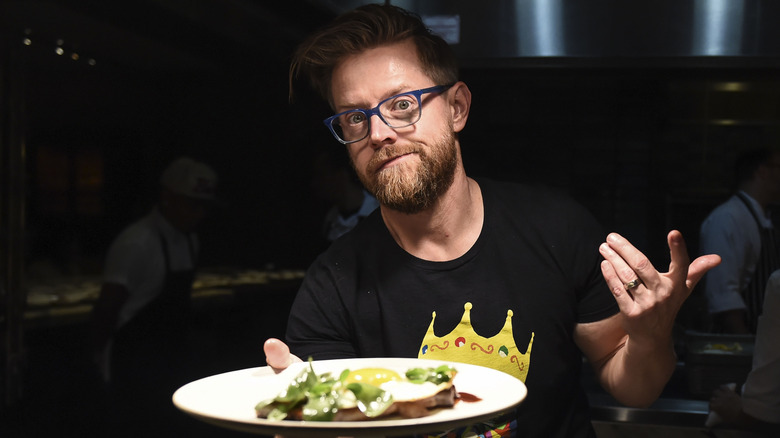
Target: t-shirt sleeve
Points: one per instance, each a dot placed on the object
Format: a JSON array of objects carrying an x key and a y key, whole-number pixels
[{"x": 594, "y": 299}]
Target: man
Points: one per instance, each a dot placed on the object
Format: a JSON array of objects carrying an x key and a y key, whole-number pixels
[
  {"x": 742, "y": 233},
  {"x": 140, "y": 320},
  {"x": 758, "y": 406},
  {"x": 445, "y": 250}
]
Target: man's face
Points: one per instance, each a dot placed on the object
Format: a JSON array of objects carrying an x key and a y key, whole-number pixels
[{"x": 406, "y": 169}]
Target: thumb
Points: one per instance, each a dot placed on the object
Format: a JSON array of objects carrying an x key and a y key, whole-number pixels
[{"x": 277, "y": 355}]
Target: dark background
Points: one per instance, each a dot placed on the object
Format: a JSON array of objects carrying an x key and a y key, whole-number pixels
[{"x": 636, "y": 127}]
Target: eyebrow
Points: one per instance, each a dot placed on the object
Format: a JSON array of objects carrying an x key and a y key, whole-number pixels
[{"x": 396, "y": 91}]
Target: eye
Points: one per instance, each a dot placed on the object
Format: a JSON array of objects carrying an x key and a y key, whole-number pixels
[
  {"x": 354, "y": 118},
  {"x": 402, "y": 104}
]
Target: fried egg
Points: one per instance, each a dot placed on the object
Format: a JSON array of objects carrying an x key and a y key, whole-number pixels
[
  {"x": 396, "y": 384},
  {"x": 373, "y": 376},
  {"x": 404, "y": 390}
]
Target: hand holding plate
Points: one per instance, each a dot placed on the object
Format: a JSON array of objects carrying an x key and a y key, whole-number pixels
[{"x": 277, "y": 355}]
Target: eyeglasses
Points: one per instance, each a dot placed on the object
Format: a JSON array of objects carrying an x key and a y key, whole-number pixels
[{"x": 398, "y": 111}]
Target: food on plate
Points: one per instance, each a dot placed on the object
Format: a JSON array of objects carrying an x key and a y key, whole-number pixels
[{"x": 362, "y": 394}]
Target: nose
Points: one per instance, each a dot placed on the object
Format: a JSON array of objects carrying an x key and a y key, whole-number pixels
[{"x": 379, "y": 132}]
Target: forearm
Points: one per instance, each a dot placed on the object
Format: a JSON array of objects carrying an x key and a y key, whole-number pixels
[
  {"x": 637, "y": 372},
  {"x": 642, "y": 358}
]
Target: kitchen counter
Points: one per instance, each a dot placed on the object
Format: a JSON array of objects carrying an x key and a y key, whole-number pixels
[
  {"x": 68, "y": 301},
  {"x": 677, "y": 413},
  {"x": 665, "y": 411},
  {"x": 675, "y": 406}
]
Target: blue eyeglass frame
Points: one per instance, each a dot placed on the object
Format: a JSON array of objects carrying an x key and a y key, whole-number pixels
[{"x": 375, "y": 111}]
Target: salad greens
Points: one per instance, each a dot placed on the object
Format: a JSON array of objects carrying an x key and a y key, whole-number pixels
[
  {"x": 321, "y": 397},
  {"x": 438, "y": 375}
]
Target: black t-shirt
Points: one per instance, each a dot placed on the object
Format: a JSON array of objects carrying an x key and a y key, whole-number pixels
[{"x": 533, "y": 273}]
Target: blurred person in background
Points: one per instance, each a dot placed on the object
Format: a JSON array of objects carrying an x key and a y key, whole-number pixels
[
  {"x": 756, "y": 406},
  {"x": 741, "y": 232},
  {"x": 335, "y": 182},
  {"x": 141, "y": 319}
]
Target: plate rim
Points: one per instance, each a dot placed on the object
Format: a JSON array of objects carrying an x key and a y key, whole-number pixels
[{"x": 352, "y": 428}]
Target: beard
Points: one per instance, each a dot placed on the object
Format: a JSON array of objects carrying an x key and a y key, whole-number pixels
[{"x": 402, "y": 189}]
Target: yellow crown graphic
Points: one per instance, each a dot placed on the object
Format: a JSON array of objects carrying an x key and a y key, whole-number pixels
[{"x": 463, "y": 344}]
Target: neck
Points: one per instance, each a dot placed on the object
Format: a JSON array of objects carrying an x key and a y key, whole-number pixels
[{"x": 447, "y": 230}]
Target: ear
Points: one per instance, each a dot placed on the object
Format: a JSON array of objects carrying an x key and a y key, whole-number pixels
[{"x": 460, "y": 104}]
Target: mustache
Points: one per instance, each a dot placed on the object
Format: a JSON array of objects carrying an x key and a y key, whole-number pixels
[{"x": 385, "y": 154}]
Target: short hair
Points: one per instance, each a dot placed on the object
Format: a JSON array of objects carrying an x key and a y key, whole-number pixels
[{"x": 364, "y": 28}]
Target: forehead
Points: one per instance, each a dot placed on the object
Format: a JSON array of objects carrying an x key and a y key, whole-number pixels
[{"x": 363, "y": 79}]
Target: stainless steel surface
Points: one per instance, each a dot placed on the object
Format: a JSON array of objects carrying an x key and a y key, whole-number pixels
[
  {"x": 665, "y": 411},
  {"x": 659, "y": 29},
  {"x": 212, "y": 36}
]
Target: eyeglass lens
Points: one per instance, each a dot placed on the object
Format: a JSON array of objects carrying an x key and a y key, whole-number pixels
[{"x": 397, "y": 112}]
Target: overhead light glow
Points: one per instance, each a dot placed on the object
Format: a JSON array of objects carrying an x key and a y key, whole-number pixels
[{"x": 731, "y": 86}]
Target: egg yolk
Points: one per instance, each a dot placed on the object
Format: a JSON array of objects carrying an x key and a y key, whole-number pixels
[{"x": 372, "y": 376}]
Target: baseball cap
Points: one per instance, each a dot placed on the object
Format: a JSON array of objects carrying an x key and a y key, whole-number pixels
[{"x": 190, "y": 178}]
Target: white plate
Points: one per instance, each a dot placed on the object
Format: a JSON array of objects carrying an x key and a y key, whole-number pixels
[{"x": 228, "y": 400}]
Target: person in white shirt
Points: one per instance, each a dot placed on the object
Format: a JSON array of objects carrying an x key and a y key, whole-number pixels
[
  {"x": 741, "y": 232},
  {"x": 141, "y": 318},
  {"x": 759, "y": 405}
]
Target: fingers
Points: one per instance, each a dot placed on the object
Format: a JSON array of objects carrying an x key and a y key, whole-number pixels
[
  {"x": 623, "y": 263},
  {"x": 681, "y": 263},
  {"x": 277, "y": 355},
  {"x": 629, "y": 263},
  {"x": 678, "y": 252},
  {"x": 629, "y": 260},
  {"x": 620, "y": 293},
  {"x": 700, "y": 266}
]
